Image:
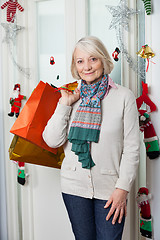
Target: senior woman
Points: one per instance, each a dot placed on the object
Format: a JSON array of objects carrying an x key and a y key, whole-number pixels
[{"x": 98, "y": 127}]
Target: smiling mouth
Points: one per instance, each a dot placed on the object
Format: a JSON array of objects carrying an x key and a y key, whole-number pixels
[{"x": 89, "y": 73}]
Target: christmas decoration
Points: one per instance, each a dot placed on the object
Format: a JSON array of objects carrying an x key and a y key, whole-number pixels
[
  {"x": 52, "y": 62},
  {"x": 15, "y": 101},
  {"x": 21, "y": 173},
  {"x": 121, "y": 16},
  {"x": 12, "y": 6},
  {"x": 115, "y": 54},
  {"x": 147, "y": 5},
  {"x": 145, "y": 99},
  {"x": 146, "y": 126},
  {"x": 146, "y": 53},
  {"x": 142, "y": 199},
  {"x": 11, "y": 32}
]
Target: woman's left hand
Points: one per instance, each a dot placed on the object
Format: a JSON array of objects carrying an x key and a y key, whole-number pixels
[{"x": 118, "y": 207}]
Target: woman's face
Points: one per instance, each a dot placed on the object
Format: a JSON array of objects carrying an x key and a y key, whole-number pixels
[{"x": 89, "y": 67}]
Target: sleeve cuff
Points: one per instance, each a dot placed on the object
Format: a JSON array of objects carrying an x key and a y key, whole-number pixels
[{"x": 123, "y": 184}]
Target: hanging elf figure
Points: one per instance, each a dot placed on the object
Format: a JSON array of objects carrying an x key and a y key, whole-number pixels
[
  {"x": 12, "y": 6},
  {"x": 15, "y": 101},
  {"x": 142, "y": 199},
  {"x": 146, "y": 126},
  {"x": 21, "y": 173},
  {"x": 147, "y": 5}
]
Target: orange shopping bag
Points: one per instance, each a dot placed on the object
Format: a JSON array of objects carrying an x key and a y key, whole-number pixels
[{"x": 35, "y": 114}]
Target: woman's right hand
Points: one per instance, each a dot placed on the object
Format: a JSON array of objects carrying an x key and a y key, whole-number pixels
[{"x": 69, "y": 98}]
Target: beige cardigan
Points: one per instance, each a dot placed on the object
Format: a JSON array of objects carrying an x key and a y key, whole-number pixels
[{"x": 116, "y": 155}]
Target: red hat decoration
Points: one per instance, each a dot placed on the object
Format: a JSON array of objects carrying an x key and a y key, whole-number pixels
[
  {"x": 115, "y": 54},
  {"x": 52, "y": 62}
]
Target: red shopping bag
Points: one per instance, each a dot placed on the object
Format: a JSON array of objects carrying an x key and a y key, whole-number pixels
[{"x": 35, "y": 114}]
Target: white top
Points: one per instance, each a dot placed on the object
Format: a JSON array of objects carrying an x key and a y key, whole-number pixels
[{"x": 116, "y": 155}]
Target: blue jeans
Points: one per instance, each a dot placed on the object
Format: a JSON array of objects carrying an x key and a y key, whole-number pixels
[{"x": 88, "y": 219}]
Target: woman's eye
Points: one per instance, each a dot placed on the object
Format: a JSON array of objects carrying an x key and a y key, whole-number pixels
[
  {"x": 79, "y": 61},
  {"x": 93, "y": 59}
]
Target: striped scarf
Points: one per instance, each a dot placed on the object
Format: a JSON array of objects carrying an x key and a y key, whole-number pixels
[{"x": 86, "y": 124}]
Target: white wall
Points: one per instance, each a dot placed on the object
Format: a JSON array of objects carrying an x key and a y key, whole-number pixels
[
  {"x": 3, "y": 207},
  {"x": 153, "y": 80}
]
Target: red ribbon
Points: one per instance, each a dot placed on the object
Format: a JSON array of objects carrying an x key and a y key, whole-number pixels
[
  {"x": 148, "y": 64},
  {"x": 147, "y": 58}
]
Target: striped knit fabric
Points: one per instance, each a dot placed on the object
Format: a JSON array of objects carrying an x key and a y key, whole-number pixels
[
  {"x": 86, "y": 124},
  {"x": 147, "y": 5},
  {"x": 146, "y": 227},
  {"x": 11, "y": 9}
]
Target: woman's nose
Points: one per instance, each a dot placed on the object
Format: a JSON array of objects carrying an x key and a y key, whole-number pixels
[{"x": 87, "y": 66}]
